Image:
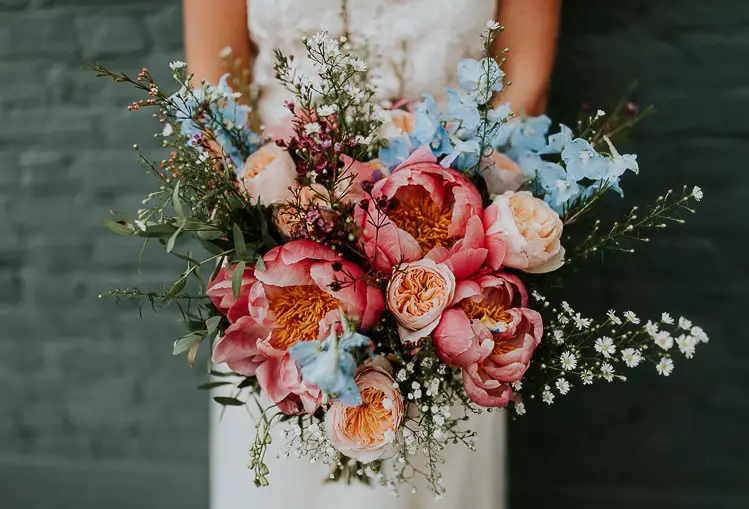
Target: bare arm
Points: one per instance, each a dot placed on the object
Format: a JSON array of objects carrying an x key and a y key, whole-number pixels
[
  {"x": 209, "y": 27},
  {"x": 531, "y": 30}
]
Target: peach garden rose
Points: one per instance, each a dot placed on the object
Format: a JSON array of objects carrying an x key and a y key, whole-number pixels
[
  {"x": 268, "y": 174},
  {"x": 532, "y": 232},
  {"x": 365, "y": 432},
  {"x": 417, "y": 295}
]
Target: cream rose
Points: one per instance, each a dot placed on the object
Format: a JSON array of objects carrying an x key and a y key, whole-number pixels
[
  {"x": 531, "y": 230},
  {"x": 417, "y": 295},
  {"x": 365, "y": 432},
  {"x": 268, "y": 174},
  {"x": 501, "y": 174}
]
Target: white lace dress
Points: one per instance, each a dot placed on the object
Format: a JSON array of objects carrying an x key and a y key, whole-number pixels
[{"x": 418, "y": 45}]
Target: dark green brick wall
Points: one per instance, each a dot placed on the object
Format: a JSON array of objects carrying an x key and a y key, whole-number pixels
[{"x": 95, "y": 412}]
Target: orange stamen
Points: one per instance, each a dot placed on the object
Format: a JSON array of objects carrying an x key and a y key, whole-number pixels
[
  {"x": 493, "y": 311},
  {"x": 424, "y": 220},
  {"x": 367, "y": 423},
  {"x": 298, "y": 311}
]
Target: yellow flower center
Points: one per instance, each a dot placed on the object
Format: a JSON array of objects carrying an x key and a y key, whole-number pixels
[
  {"x": 424, "y": 220},
  {"x": 367, "y": 423},
  {"x": 492, "y": 315},
  {"x": 298, "y": 311}
]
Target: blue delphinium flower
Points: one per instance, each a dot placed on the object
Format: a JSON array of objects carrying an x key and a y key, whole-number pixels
[
  {"x": 462, "y": 111},
  {"x": 583, "y": 161},
  {"x": 559, "y": 187},
  {"x": 228, "y": 120},
  {"x": 428, "y": 128},
  {"x": 465, "y": 155},
  {"x": 530, "y": 133},
  {"x": 480, "y": 78},
  {"x": 330, "y": 364},
  {"x": 397, "y": 151}
]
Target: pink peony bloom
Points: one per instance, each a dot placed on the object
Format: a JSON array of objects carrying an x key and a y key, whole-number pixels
[
  {"x": 222, "y": 295},
  {"x": 429, "y": 207},
  {"x": 281, "y": 381},
  {"x": 365, "y": 432},
  {"x": 238, "y": 347},
  {"x": 268, "y": 174},
  {"x": 491, "y": 335},
  {"x": 531, "y": 232},
  {"x": 417, "y": 295},
  {"x": 294, "y": 299}
]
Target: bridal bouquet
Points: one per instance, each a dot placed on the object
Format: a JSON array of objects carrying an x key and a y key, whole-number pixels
[{"x": 372, "y": 273}]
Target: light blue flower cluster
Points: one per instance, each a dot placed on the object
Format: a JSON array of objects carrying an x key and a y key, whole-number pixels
[
  {"x": 330, "y": 364},
  {"x": 455, "y": 133},
  {"x": 227, "y": 119},
  {"x": 582, "y": 171}
]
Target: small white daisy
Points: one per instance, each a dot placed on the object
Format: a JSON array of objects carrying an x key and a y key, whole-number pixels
[
  {"x": 492, "y": 25},
  {"x": 665, "y": 366},
  {"x": 568, "y": 361},
  {"x": 580, "y": 322},
  {"x": 559, "y": 336},
  {"x": 697, "y": 193},
  {"x": 684, "y": 323},
  {"x": 538, "y": 296},
  {"x": 651, "y": 328},
  {"x": 607, "y": 371},
  {"x": 520, "y": 408},
  {"x": 547, "y": 397},
  {"x": 631, "y": 357},
  {"x": 326, "y": 110},
  {"x": 631, "y": 317},
  {"x": 667, "y": 319},
  {"x": 358, "y": 64},
  {"x": 605, "y": 346},
  {"x": 311, "y": 128},
  {"x": 168, "y": 130},
  {"x": 587, "y": 377},
  {"x": 566, "y": 306},
  {"x": 687, "y": 345},
  {"x": 177, "y": 64},
  {"x": 517, "y": 386},
  {"x": 664, "y": 340},
  {"x": 600, "y": 113},
  {"x": 612, "y": 316},
  {"x": 699, "y": 334},
  {"x": 563, "y": 386}
]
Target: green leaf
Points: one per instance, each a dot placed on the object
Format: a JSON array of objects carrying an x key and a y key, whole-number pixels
[
  {"x": 260, "y": 264},
  {"x": 247, "y": 382},
  {"x": 177, "y": 287},
  {"x": 213, "y": 372},
  {"x": 212, "y": 385},
  {"x": 118, "y": 227},
  {"x": 176, "y": 203},
  {"x": 184, "y": 343},
  {"x": 212, "y": 324},
  {"x": 239, "y": 245},
  {"x": 236, "y": 279},
  {"x": 162, "y": 230},
  {"x": 227, "y": 401},
  {"x": 172, "y": 240}
]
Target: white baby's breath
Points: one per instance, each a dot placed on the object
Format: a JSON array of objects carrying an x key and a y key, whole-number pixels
[
  {"x": 605, "y": 346},
  {"x": 631, "y": 317},
  {"x": 631, "y": 357},
  {"x": 607, "y": 371},
  {"x": 664, "y": 340},
  {"x": 568, "y": 360},
  {"x": 312, "y": 128},
  {"x": 612, "y": 316},
  {"x": 563, "y": 386},
  {"x": 667, "y": 319},
  {"x": 665, "y": 366},
  {"x": 697, "y": 193}
]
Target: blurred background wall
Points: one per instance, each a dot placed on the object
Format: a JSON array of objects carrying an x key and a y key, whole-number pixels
[{"x": 95, "y": 412}]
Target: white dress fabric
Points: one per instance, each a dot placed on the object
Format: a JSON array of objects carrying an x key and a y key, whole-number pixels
[{"x": 417, "y": 45}]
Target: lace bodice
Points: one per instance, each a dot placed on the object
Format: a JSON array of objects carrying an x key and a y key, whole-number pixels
[{"x": 417, "y": 44}]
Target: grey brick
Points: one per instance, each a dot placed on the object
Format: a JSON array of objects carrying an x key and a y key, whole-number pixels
[{"x": 105, "y": 35}]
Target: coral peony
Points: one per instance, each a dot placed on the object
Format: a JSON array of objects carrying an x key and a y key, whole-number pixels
[
  {"x": 429, "y": 206},
  {"x": 222, "y": 295}
]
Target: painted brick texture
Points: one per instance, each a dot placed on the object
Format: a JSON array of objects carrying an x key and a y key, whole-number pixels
[{"x": 96, "y": 412}]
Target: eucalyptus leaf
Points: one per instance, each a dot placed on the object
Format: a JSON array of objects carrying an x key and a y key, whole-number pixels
[
  {"x": 184, "y": 343},
  {"x": 172, "y": 240},
  {"x": 177, "y": 287},
  {"x": 212, "y": 324},
  {"x": 236, "y": 279},
  {"x": 162, "y": 230},
  {"x": 212, "y": 385},
  {"x": 176, "y": 202},
  {"x": 260, "y": 264},
  {"x": 239, "y": 245},
  {"x": 118, "y": 228},
  {"x": 227, "y": 401}
]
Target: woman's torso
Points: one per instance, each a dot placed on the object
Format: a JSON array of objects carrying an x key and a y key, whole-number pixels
[{"x": 417, "y": 44}]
